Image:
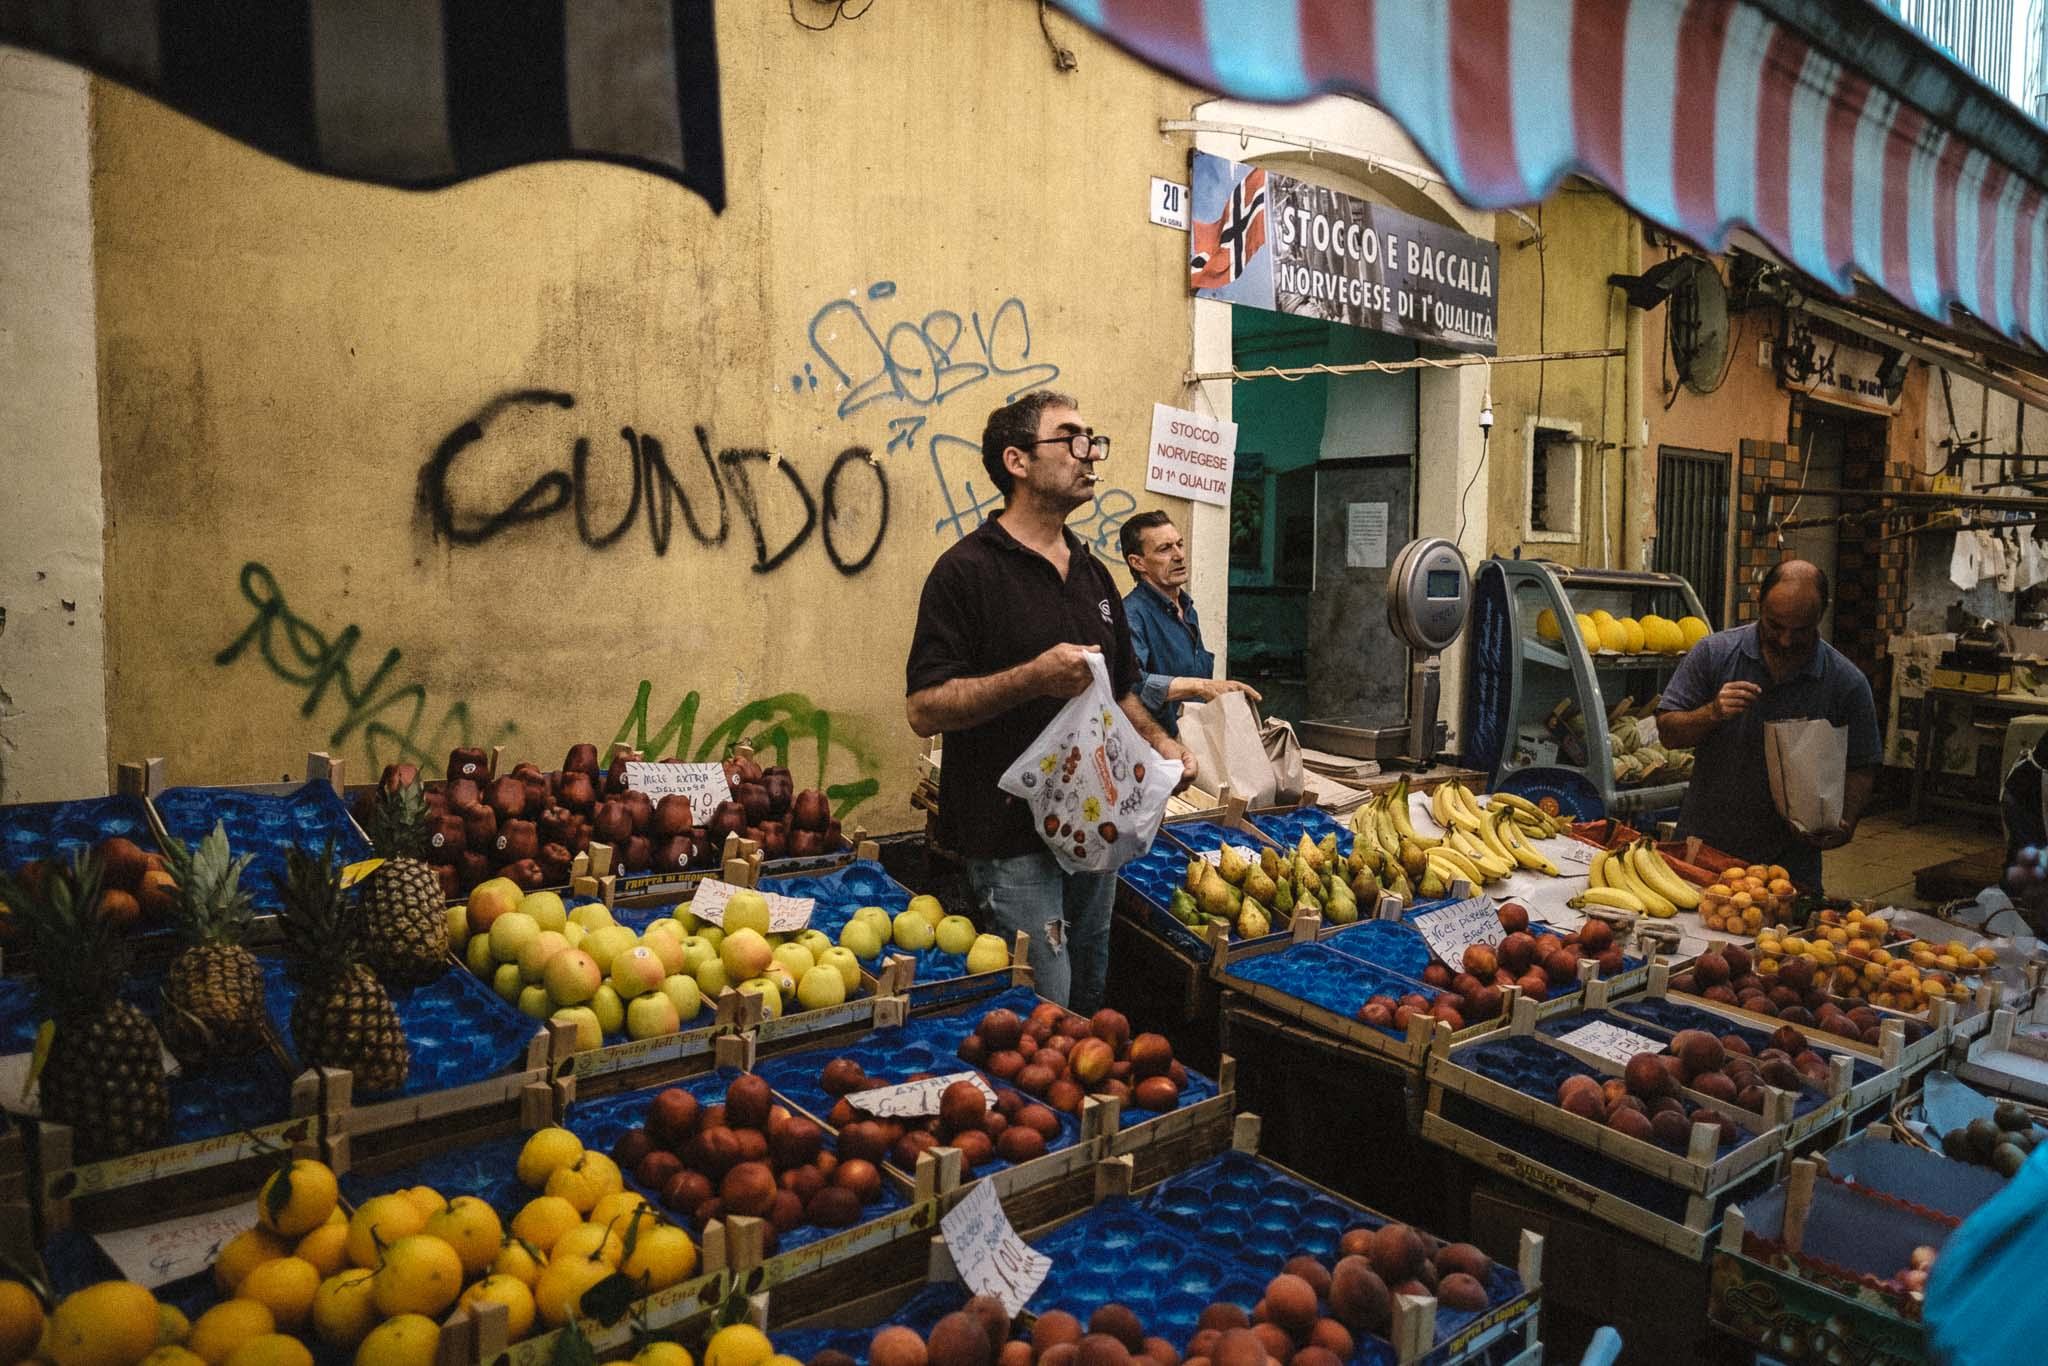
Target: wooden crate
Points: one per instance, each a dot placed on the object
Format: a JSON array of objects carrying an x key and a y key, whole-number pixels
[
  {"x": 2007, "y": 1061},
  {"x": 1891, "y": 1049}
]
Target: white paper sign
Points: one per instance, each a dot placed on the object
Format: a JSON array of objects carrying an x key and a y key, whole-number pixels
[
  {"x": 1168, "y": 206},
  {"x": 1453, "y": 929},
  {"x": 786, "y": 914},
  {"x": 703, "y": 784},
  {"x": 1578, "y": 853},
  {"x": 1215, "y": 856},
  {"x": 1611, "y": 1042},
  {"x": 991, "y": 1258},
  {"x": 1365, "y": 536},
  {"x": 915, "y": 1097},
  {"x": 176, "y": 1248},
  {"x": 1191, "y": 456}
]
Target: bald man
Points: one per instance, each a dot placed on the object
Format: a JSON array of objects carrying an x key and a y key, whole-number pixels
[{"x": 1735, "y": 682}]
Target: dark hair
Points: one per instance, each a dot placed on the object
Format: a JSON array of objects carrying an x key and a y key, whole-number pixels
[
  {"x": 1131, "y": 539},
  {"x": 1015, "y": 424},
  {"x": 1808, "y": 569}
]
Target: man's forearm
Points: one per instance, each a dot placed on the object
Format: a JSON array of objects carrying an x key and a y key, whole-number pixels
[
  {"x": 962, "y": 703},
  {"x": 1685, "y": 729},
  {"x": 1154, "y": 733},
  {"x": 1187, "y": 689},
  {"x": 1857, "y": 786}
]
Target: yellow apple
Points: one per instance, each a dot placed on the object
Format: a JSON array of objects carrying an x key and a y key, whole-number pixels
[
  {"x": 842, "y": 961},
  {"x": 510, "y": 933},
  {"x": 817, "y": 941},
  {"x": 534, "y": 1001},
  {"x": 591, "y": 915},
  {"x": 711, "y": 978},
  {"x": 477, "y": 954},
  {"x": 606, "y": 944},
  {"x": 745, "y": 954},
  {"x": 913, "y": 931},
  {"x": 988, "y": 953},
  {"x": 506, "y": 982},
  {"x": 771, "y": 998},
  {"x": 955, "y": 934},
  {"x": 650, "y": 1015},
  {"x": 859, "y": 939},
  {"x": 637, "y": 971},
  {"x": 747, "y": 910},
  {"x": 589, "y": 1034},
  {"x": 609, "y": 1009},
  {"x": 490, "y": 899},
  {"x": 928, "y": 907},
  {"x": 697, "y": 951},
  {"x": 821, "y": 987},
  {"x": 684, "y": 993},
  {"x": 546, "y": 909},
  {"x": 533, "y": 958},
  {"x": 571, "y": 977},
  {"x": 798, "y": 959},
  {"x": 875, "y": 918}
]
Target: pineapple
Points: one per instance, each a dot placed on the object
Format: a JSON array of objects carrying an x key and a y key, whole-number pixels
[
  {"x": 104, "y": 1072},
  {"x": 342, "y": 1017},
  {"x": 213, "y": 991},
  {"x": 405, "y": 919}
]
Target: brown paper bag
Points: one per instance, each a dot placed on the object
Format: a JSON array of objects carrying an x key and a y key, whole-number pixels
[
  {"x": 1807, "y": 763},
  {"x": 1228, "y": 748}
]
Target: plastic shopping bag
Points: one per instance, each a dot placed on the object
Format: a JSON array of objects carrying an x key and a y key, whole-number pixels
[
  {"x": 1096, "y": 789},
  {"x": 1807, "y": 763}
]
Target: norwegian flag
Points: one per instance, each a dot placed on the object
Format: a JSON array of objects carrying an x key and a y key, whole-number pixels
[{"x": 1223, "y": 248}]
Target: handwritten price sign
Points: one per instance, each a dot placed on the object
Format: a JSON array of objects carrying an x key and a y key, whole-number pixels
[
  {"x": 991, "y": 1258},
  {"x": 162, "y": 1253},
  {"x": 1576, "y": 853},
  {"x": 786, "y": 914},
  {"x": 1453, "y": 929},
  {"x": 703, "y": 784},
  {"x": 915, "y": 1097},
  {"x": 1611, "y": 1042}
]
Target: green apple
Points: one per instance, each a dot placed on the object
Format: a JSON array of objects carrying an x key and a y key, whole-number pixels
[
  {"x": 821, "y": 987},
  {"x": 798, "y": 959},
  {"x": 697, "y": 951},
  {"x": 687, "y": 919},
  {"x": 712, "y": 935},
  {"x": 876, "y": 918},
  {"x": 477, "y": 954},
  {"x": 988, "y": 953},
  {"x": 842, "y": 961},
  {"x": 955, "y": 934},
  {"x": 546, "y": 909},
  {"x": 650, "y": 1015},
  {"x": 684, "y": 992},
  {"x": 535, "y": 1001},
  {"x": 571, "y": 977},
  {"x": 745, "y": 954},
  {"x": 817, "y": 941},
  {"x": 711, "y": 978},
  {"x": 913, "y": 931},
  {"x": 510, "y": 933},
  {"x": 859, "y": 939},
  {"x": 608, "y": 943},
  {"x": 592, "y": 915},
  {"x": 770, "y": 994},
  {"x": 458, "y": 927},
  {"x": 505, "y": 981},
  {"x": 928, "y": 907},
  {"x": 636, "y": 971},
  {"x": 746, "y": 910},
  {"x": 589, "y": 1033},
  {"x": 534, "y": 957},
  {"x": 609, "y": 1007}
]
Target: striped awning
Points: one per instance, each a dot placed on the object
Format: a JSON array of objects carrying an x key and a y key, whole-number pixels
[
  {"x": 1703, "y": 115},
  {"x": 415, "y": 93}
]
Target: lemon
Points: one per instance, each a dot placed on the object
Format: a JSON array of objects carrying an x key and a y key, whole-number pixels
[
  {"x": 1632, "y": 630},
  {"x": 472, "y": 1228},
  {"x": 172, "y": 1327},
  {"x": 326, "y": 1247},
  {"x": 113, "y": 1323},
  {"x": 244, "y": 1253},
  {"x": 285, "y": 1286},
  {"x": 520, "y": 1262},
  {"x": 21, "y": 1320},
  {"x": 1589, "y": 630},
  {"x": 664, "y": 1354},
  {"x": 574, "y": 1184},
  {"x": 738, "y": 1344},
  {"x": 1546, "y": 625},
  {"x": 271, "y": 1349},
  {"x": 544, "y": 1220},
  {"x": 171, "y": 1354},
  {"x": 295, "y": 1202},
  {"x": 425, "y": 1199},
  {"x": 603, "y": 1174},
  {"x": 590, "y": 1240},
  {"x": 612, "y": 1209},
  {"x": 662, "y": 1256},
  {"x": 1693, "y": 630},
  {"x": 420, "y": 1275},
  {"x": 549, "y": 1149},
  {"x": 227, "y": 1326},
  {"x": 559, "y": 1293},
  {"x": 343, "y": 1308},
  {"x": 381, "y": 1220},
  {"x": 408, "y": 1340},
  {"x": 513, "y": 1293}
]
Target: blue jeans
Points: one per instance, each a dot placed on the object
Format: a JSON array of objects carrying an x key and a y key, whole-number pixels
[{"x": 1066, "y": 915}]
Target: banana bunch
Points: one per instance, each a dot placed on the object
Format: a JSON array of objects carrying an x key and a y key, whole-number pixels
[
  {"x": 1481, "y": 846},
  {"x": 1637, "y": 880}
]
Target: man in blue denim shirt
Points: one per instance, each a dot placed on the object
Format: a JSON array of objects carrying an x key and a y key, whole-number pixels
[{"x": 1164, "y": 628}]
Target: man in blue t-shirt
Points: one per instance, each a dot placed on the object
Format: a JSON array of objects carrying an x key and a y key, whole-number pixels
[
  {"x": 1733, "y": 684},
  {"x": 1164, "y": 628}
]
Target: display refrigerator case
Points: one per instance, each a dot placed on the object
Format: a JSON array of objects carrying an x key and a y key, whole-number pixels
[{"x": 1555, "y": 708}]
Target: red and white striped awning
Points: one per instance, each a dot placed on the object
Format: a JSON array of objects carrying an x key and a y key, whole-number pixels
[{"x": 1703, "y": 115}]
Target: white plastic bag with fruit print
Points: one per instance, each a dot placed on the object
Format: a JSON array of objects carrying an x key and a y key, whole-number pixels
[{"x": 1096, "y": 789}]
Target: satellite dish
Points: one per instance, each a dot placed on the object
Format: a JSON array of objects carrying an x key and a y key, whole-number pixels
[{"x": 1698, "y": 319}]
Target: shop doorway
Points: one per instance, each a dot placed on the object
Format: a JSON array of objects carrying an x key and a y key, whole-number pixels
[
  {"x": 1692, "y": 524},
  {"x": 1842, "y": 448},
  {"x": 1323, "y": 495}
]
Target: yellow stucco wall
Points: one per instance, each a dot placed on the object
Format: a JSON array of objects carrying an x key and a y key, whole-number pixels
[{"x": 282, "y": 354}]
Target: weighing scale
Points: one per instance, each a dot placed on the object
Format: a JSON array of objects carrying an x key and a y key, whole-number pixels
[{"x": 1429, "y": 595}]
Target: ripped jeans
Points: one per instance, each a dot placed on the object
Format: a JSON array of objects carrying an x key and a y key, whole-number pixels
[{"x": 1066, "y": 915}]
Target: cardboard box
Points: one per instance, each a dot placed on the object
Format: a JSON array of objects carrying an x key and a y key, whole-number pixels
[{"x": 1972, "y": 680}]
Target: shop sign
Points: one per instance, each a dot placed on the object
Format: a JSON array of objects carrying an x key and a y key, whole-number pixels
[
  {"x": 1267, "y": 240},
  {"x": 1190, "y": 455},
  {"x": 1820, "y": 366}
]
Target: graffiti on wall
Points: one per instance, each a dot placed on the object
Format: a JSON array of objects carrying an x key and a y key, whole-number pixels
[
  {"x": 386, "y": 713},
  {"x": 778, "y": 725},
  {"x": 893, "y": 358},
  {"x": 848, "y": 512}
]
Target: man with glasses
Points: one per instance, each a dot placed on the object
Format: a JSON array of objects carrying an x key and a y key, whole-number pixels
[
  {"x": 1164, "y": 628},
  {"x": 1005, "y": 626}
]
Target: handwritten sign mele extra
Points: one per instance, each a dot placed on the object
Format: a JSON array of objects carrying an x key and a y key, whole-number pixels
[
  {"x": 1610, "y": 1041},
  {"x": 913, "y": 1098},
  {"x": 703, "y": 784},
  {"x": 1451, "y": 930}
]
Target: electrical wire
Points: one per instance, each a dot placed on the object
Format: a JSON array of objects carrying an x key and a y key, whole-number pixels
[{"x": 1542, "y": 321}]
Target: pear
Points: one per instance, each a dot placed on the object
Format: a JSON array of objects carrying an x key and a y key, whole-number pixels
[
  {"x": 1269, "y": 862},
  {"x": 1327, "y": 847},
  {"x": 1233, "y": 866},
  {"x": 1354, "y": 860},
  {"x": 1258, "y": 886},
  {"x": 1306, "y": 849},
  {"x": 1340, "y": 907},
  {"x": 1198, "y": 868},
  {"x": 1182, "y": 907},
  {"x": 1306, "y": 879},
  {"x": 1306, "y": 904},
  {"x": 1400, "y": 886},
  {"x": 1413, "y": 859},
  {"x": 1215, "y": 896},
  {"x": 1432, "y": 885},
  {"x": 1253, "y": 920},
  {"x": 1366, "y": 887},
  {"x": 1283, "y": 897}
]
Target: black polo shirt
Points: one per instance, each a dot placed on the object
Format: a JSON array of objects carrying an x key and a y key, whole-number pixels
[{"x": 990, "y": 604}]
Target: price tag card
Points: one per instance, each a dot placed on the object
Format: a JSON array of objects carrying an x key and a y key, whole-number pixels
[
  {"x": 786, "y": 914},
  {"x": 1576, "y": 853},
  {"x": 1215, "y": 856},
  {"x": 916, "y": 1097},
  {"x": 703, "y": 784},
  {"x": 1453, "y": 929},
  {"x": 162, "y": 1253},
  {"x": 1611, "y": 1042},
  {"x": 991, "y": 1258}
]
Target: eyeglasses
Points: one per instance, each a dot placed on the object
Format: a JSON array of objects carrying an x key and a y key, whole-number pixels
[{"x": 1083, "y": 445}]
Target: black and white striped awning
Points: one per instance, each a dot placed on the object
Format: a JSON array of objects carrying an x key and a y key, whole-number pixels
[{"x": 415, "y": 93}]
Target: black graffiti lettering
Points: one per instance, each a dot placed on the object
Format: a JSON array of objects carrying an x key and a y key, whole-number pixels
[
  {"x": 580, "y": 465},
  {"x": 743, "y": 494},
  {"x": 860, "y": 457},
  {"x": 547, "y": 495}
]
